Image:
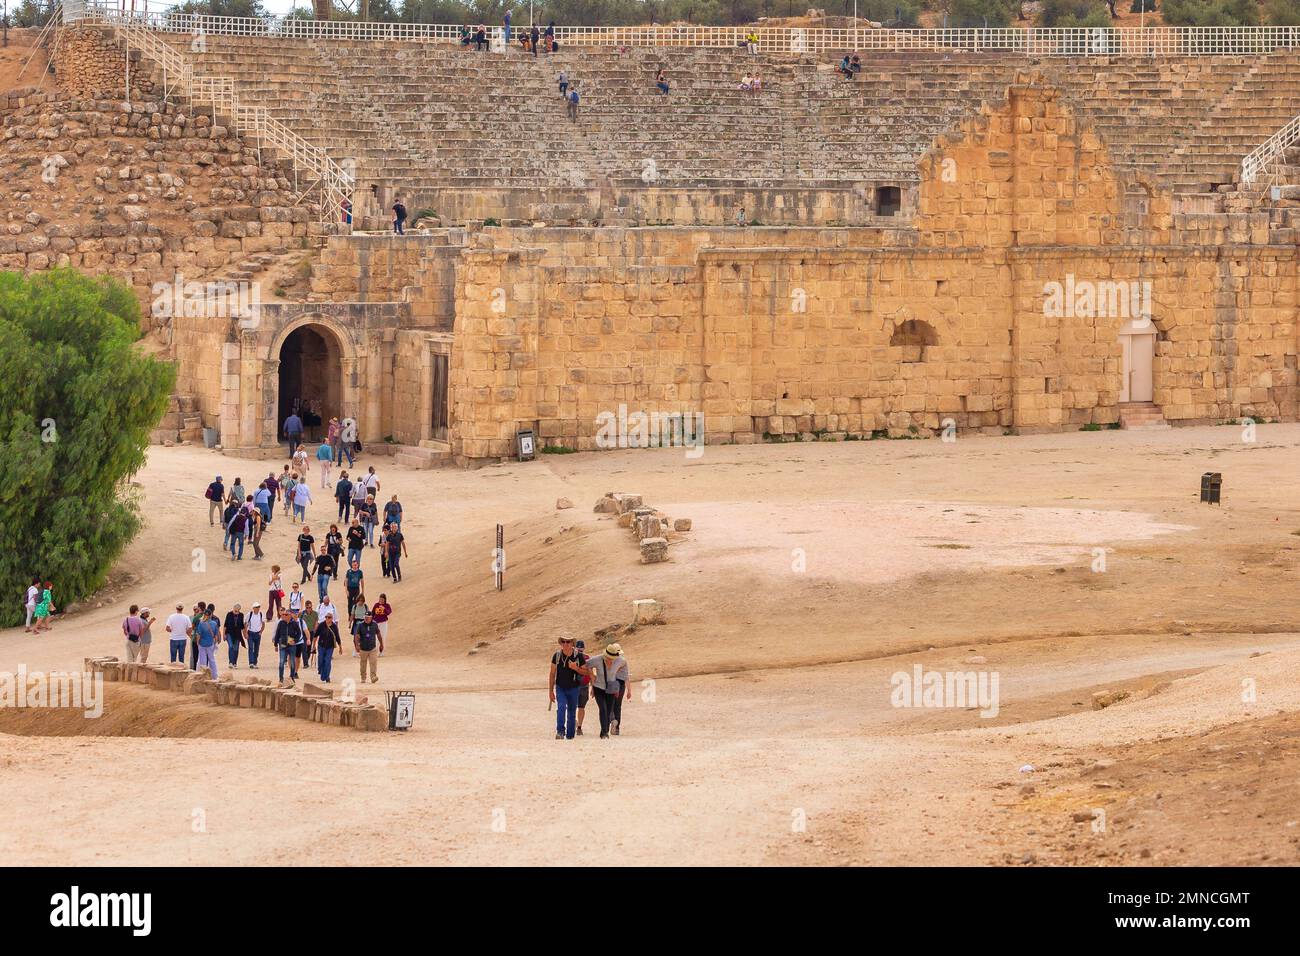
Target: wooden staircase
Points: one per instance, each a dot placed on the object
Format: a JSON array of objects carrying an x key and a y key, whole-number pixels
[{"x": 1141, "y": 415}]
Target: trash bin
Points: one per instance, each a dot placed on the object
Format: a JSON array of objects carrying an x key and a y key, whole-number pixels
[
  {"x": 401, "y": 709},
  {"x": 1212, "y": 487}
]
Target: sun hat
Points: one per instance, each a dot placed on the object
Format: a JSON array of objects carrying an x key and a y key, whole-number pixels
[{"x": 614, "y": 650}]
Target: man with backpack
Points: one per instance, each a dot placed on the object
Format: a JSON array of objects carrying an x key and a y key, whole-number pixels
[
  {"x": 565, "y": 683},
  {"x": 306, "y": 551},
  {"x": 215, "y": 494},
  {"x": 369, "y": 644},
  {"x": 399, "y": 218},
  {"x": 254, "y": 626},
  {"x": 573, "y": 102},
  {"x": 238, "y": 529}
]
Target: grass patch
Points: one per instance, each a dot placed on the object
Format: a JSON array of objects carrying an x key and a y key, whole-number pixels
[{"x": 558, "y": 450}]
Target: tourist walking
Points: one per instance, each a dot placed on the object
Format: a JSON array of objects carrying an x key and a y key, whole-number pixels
[
  {"x": 573, "y": 102},
  {"x": 302, "y": 462},
  {"x": 237, "y": 492},
  {"x": 274, "y": 592},
  {"x": 334, "y": 541},
  {"x": 354, "y": 580},
  {"x": 146, "y": 635},
  {"x": 609, "y": 681},
  {"x": 44, "y": 608},
  {"x": 383, "y": 551},
  {"x": 208, "y": 637},
  {"x": 327, "y": 640},
  {"x": 254, "y": 627},
  {"x": 357, "y": 611},
  {"x": 399, "y": 217},
  {"x": 287, "y": 483},
  {"x": 356, "y": 541},
  {"x": 343, "y": 495},
  {"x": 358, "y": 496},
  {"x": 564, "y": 683},
  {"x": 325, "y": 458},
  {"x": 309, "y": 620},
  {"x": 393, "y": 512},
  {"x": 324, "y": 570},
  {"x": 178, "y": 631},
  {"x": 234, "y": 634},
  {"x": 585, "y": 693},
  {"x": 215, "y": 494},
  {"x": 293, "y": 432},
  {"x": 369, "y": 645},
  {"x": 296, "y": 598},
  {"x": 132, "y": 628},
  {"x": 32, "y": 598},
  {"x": 306, "y": 551},
  {"x": 237, "y": 529},
  {"x": 395, "y": 541},
  {"x": 256, "y": 524},
  {"x": 301, "y": 499},
  {"x": 564, "y": 86},
  {"x": 285, "y": 640},
  {"x": 369, "y": 519},
  {"x": 534, "y": 37},
  {"x": 333, "y": 433},
  {"x": 262, "y": 498},
  {"x": 227, "y": 516},
  {"x": 382, "y": 611}
]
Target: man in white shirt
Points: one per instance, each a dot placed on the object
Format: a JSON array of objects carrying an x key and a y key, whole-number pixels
[
  {"x": 178, "y": 630},
  {"x": 33, "y": 598},
  {"x": 255, "y": 624}
]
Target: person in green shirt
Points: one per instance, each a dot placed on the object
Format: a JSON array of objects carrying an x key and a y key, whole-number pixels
[{"x": 309, "y": 621}]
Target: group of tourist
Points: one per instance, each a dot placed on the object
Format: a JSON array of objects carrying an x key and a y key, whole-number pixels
[
  {"x": 851, "y": 65},
  {"x": 530, "y": 40},
  {"x": 38, "y": 602},
  {"x": 574, "y": 677},
  {"x": 300, "y": 633}
]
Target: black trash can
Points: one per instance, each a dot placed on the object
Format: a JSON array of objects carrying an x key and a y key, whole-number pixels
[{"x": 1211, "y": 487}]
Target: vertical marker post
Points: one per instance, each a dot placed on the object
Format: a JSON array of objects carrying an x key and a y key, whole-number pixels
[{"x": 500, "y": 562}]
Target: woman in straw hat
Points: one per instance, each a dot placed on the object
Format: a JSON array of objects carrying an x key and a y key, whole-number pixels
[{"x": 609, "y": 682}]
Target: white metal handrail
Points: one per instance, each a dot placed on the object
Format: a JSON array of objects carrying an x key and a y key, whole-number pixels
[
  {"x": 1047, "y": 41},
  {"x": 1260, "y": 165},
  {"x": 256, "y": 122}
]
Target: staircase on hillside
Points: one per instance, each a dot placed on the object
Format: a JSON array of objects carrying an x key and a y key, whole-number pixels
[{"x": 1145, "y": 416}]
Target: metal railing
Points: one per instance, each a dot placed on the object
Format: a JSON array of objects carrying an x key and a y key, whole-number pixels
[
  {"x": 253, "y": 122},
  {"x": 1260, "y": 165},
  {"x": 1057, "y": 41}
]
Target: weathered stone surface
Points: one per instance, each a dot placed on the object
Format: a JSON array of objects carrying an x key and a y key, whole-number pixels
[
  {"x": 654, "y": 550},
  {"x": 647, "y": 611},
  {"x": 1105, "y": 698},
  {"x": 682, "y": 524}
]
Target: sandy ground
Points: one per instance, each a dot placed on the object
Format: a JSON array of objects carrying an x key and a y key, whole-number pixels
[{"x": 762, "y": 728}]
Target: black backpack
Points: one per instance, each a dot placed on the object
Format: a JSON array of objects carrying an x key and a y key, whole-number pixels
[{"x": 239, "y": 522}]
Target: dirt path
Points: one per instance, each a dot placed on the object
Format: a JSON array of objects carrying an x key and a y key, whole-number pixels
[{"x": 814, "y": 574}]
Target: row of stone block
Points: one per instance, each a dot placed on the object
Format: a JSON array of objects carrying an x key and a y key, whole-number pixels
[
  {"x": 649, "y": 526},
  {"x": 311, "y": 702}
]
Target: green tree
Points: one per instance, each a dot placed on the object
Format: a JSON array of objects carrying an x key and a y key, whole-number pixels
[
  {"x": 979, "y": 13},
  {"x": 79, "y": 406},
  {"x": 1075, "y": 13},
  {"x": 1282, "y": 13},
  {"x": 1211, "y": 13}
]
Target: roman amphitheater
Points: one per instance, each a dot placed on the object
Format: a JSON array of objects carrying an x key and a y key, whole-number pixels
[{"x": 1068, "y": 258}]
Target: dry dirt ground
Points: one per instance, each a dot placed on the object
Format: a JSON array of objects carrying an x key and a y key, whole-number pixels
[{"x": 762, "y": 728}]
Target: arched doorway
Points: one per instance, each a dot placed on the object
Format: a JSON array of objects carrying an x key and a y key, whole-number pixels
[{"x": 311, "y": 379}]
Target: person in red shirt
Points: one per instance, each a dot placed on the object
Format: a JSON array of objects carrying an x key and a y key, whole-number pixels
[{"x": 380, "y": 614}]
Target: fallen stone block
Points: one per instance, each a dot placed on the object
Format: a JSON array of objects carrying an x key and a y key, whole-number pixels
[
  {"x": 607, "y": 505},
  {"x": 562, "y": 503},
  {"x": 647, "y": 611},
  {"x": 682, "y": 524},
  {"x": 625, "y": 521},
  {"x": 627, "y": 503},
  {"x": 372, "y": 719},
  {"x": 654, "y": 550},
  {"x": 315, "y": 690},
  {"x": 195, "y": 683}
]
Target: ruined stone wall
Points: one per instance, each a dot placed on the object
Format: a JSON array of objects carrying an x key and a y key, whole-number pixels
[
  {"x": 88, "y": 61},
  {"x": 952, "y": 325}
]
